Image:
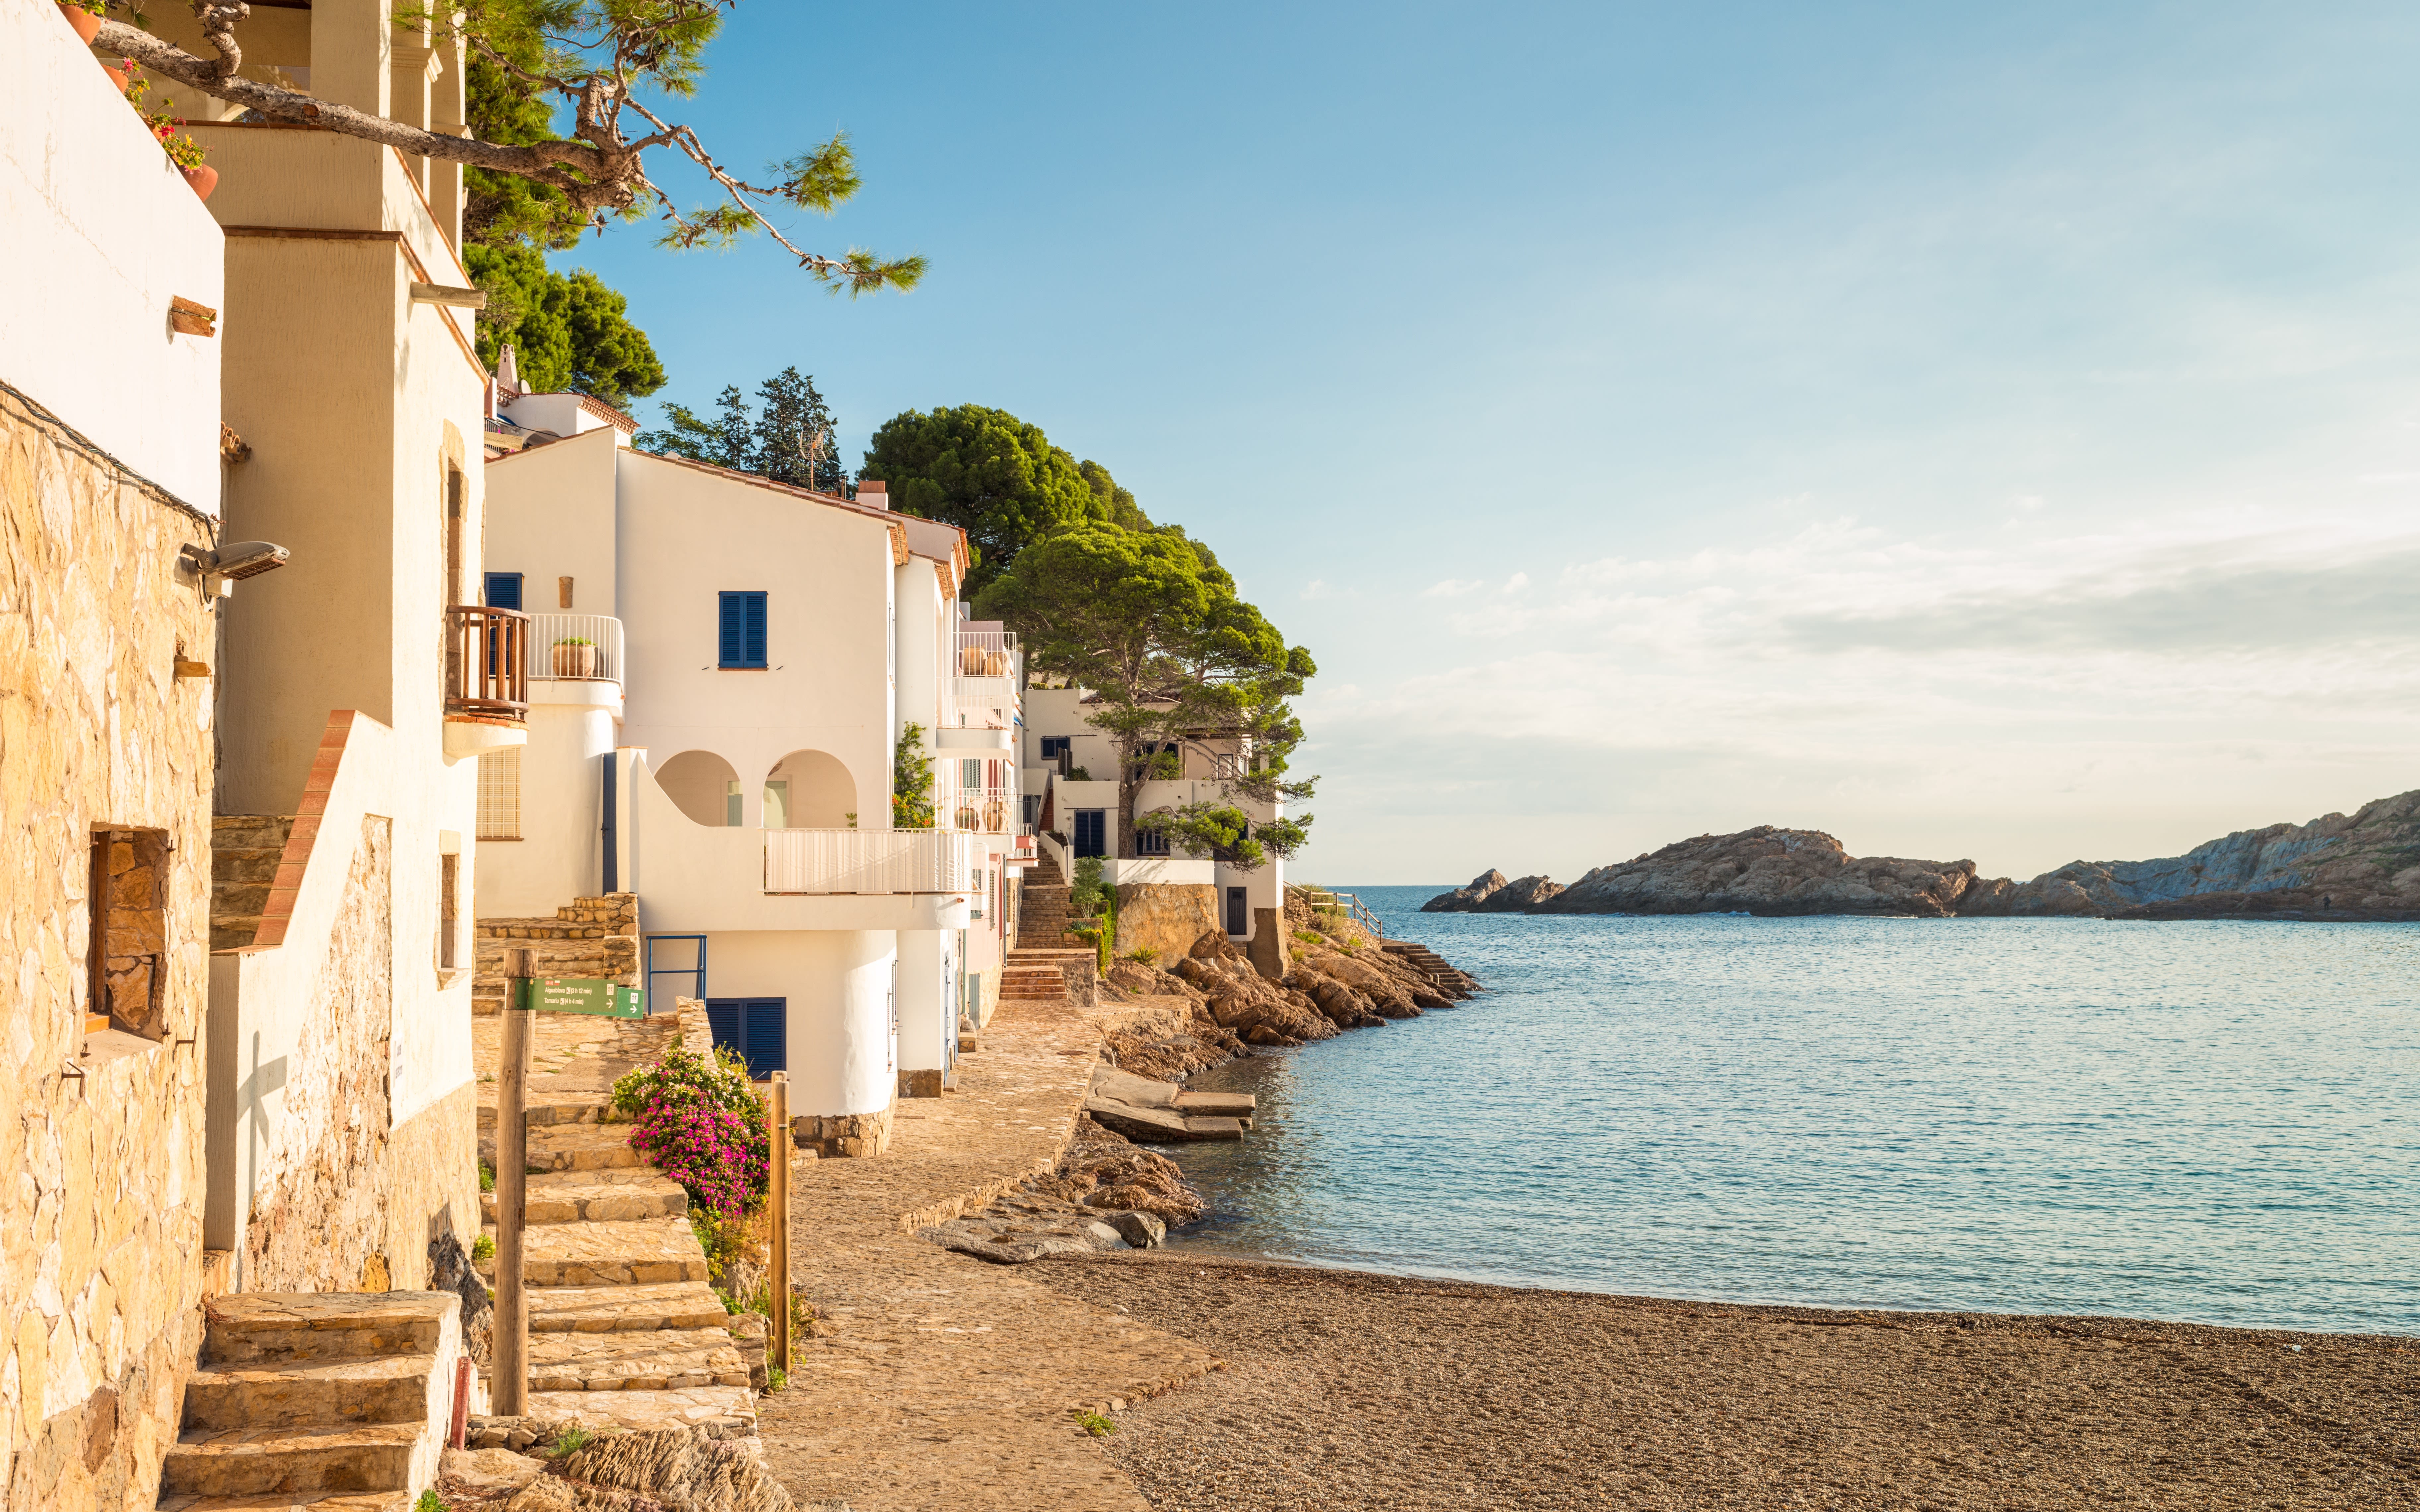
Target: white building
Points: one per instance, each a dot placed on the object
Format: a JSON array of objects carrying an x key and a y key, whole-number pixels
[
  {"x": 722, "y": 668},
  {"x": 1071, "y": 778}
]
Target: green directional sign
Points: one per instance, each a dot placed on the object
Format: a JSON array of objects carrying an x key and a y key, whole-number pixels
[{"x": 585, "y": 994}]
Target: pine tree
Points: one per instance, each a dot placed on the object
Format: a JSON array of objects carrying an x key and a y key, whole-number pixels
[
  {"x": 726, "y": 441},
  {"x": 795, "y": 439}
]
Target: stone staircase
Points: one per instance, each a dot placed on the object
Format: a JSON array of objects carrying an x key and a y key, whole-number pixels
[
  {"x": 244, "y": 853},
  {"x": 332, "y": 1401},
  {"x": 1042, "y": 907},
  {"x": 623, "y": 1328},
  {"x": 1449, "y": 976},
  {"x": 591, "y": 937},
  {"x": 1049, "y": 974}
]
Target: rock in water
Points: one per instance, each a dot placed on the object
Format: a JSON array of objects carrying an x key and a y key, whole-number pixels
[
  {"x": 1464, "y": 900},
  {"x": 1766, "y": 870},
  {"x": 1141, "y": 1229}
]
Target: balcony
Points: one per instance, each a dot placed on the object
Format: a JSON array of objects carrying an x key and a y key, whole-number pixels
[
  {"x": 486, "y": 661},
  {"x": 880, "y": 861},
  {"x": 978, "y": 811},
  {"x": 987, "y": 675},
  {"x": 575, "y": 648}
]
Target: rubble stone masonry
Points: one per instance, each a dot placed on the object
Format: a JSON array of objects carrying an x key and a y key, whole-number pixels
[{"x": 100, "y": 1226}]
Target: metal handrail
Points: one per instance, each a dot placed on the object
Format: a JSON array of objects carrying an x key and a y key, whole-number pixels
[
  {"x": 487, "y": 660},
  {"x": 867, "y": 860}
]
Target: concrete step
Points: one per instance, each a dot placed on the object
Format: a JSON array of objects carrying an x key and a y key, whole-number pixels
[
  {"x": 628, "y": 1360},
  {"x": 609, "y": 1309},
  {"x": 1217, "y": 1104},
  {"x": 279, "y": 1327},
  {"x": 375, "y": 1457},
  {"x": 617, "y": 1252},
  {"x": 594, "y": 1197},
  {"x": 578, "y": 1147},
  {"x": 328, "y": 1502},
  {"x": 392, "y": 1388}
]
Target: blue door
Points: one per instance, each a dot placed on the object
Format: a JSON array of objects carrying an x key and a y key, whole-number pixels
[
  {"x": 757, "y": 1028},
  {"x": 1092, "y": 832}
]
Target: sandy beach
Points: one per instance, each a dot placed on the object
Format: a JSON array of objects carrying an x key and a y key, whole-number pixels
[{"x": 1345, "y": 1391}]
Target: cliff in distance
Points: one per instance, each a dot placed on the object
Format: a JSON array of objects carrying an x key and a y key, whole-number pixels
[{"x": 2365, "y": 866}]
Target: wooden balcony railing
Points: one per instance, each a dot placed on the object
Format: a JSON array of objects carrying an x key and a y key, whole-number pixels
[{"x": 487, "y": 660}]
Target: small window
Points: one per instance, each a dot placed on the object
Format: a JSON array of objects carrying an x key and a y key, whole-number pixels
[
  {"x": 449, "y": 880},
  {"x": 127, "y": 953},
  {"x": 500, "y": 794},
  {"x": 505, "y": 591},
  {"x": 1054, "y": 746},
  {"x": 1151, "y": 841},
  {"x": 741, "y": 631}
]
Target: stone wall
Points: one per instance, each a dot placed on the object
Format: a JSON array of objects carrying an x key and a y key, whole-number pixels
[
  {"x": 1165, "y": 918},
  {"x": 100, "y": 1226},
  {"x": 321, "y": 1191}
]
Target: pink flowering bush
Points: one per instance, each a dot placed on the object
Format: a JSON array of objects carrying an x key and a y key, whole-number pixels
[{"x": 700, "y": 1122}]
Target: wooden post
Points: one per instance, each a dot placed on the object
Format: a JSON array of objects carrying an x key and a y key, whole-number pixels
[
  {"x": 777, "y": 1199},
  {"x": 510, "y": 1397}
]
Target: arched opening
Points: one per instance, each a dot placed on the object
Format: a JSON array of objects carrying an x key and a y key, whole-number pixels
[
  {"x": 703, "y": 786},
  {"x": 810, "y": 789}
]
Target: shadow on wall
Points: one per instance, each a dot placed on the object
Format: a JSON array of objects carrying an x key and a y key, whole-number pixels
[
  {"x": 810, "y": 790},
  {"x": 703, "y": 786}
]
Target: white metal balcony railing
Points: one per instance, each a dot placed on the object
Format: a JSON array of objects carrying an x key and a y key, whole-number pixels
[
  {"x": 990, "y": 654},
  {"x": 575, "y": 647},
  {"x": 987, "y": 676},
  {"x": 867, "y": 860},
  {"x": 981, "y": 810}
]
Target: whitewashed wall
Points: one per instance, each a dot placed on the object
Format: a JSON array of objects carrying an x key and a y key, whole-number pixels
[{"x": 98, "y": 232}]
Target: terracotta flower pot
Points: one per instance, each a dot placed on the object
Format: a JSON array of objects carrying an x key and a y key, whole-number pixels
[
  {"x": 575, "y": 661},
  {"x": 87, "y": 24},
  {"x": 204, "y": 179}
]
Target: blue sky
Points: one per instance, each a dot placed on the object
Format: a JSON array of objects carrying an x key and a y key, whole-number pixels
[{"x": 1985, "y": 433}]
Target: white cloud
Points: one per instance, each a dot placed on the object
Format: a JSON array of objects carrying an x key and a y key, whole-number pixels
[{"x": 1453, "y": 588}]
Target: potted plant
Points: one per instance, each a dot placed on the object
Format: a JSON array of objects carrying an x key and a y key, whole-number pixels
[
  {"x": 575, "y": 656},
  {"x": 85, "y": 16}
]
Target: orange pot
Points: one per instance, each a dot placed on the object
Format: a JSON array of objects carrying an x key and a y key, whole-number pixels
[
  {"x": 204, "y": 179},
  {"x": 87, "y": 24}
]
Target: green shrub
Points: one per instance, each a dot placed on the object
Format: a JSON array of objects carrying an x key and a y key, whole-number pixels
[{"x": 484, "y": 1247}]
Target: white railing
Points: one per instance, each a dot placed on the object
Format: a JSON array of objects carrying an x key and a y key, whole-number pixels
[
  {"x": 575, "y": 647},
  {"x": 988, "y": 653},
  {"x": 983, "y": 811},
  {"x": 986, "y": 675},
  {"x": 867, "y": 860}
]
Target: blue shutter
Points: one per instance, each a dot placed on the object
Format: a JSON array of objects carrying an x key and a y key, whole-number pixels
[
  {"x": 755, "y": 629},
  {"x": 740, "y": 629},
  {"x": 734, "y": 627},
  {"x": 768, "y": 1038},
  {"x": 504, "y": 589},
  {"x": 722, "y": 1016}
]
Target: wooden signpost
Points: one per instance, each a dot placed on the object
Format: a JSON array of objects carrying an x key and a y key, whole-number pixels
[
  {"x": 778, "y": 1199},
  {"x": 511, "y": 1394}
]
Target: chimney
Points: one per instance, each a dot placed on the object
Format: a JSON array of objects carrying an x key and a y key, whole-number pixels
[
  {"x": 507, "y": 376},
  {"x": 873, "y": 491}
]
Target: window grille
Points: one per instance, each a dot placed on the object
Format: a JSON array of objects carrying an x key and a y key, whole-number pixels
[{"x": 500, "y": 794}]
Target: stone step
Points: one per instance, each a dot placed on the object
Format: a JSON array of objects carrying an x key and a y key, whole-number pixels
[
  {"x": 578, "y": 1147},
  {"x": 670, "y": 1304},
  {"x": 556, "y": 1116},
  {"x": 249, "y": 1328},
  {"x": 733, "y": 1406},
  {"x": 375, "y": 1457},
  {"x": 670, "y": 1359},
  {"x": 392, "y": 1388},
  {"x": 328, "y": 1502},
  {"x": 617, "y": 1252},
  {"x": 596, "y": 1196}
]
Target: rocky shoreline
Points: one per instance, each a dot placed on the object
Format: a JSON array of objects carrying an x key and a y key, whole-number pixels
[{"x": 2345, "y": 869}]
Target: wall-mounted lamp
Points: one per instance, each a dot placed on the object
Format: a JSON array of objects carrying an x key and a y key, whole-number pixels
[{"x": 220, "y": 570}]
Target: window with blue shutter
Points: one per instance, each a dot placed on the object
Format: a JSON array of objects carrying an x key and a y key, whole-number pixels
[
  {"x": 757, "y": 1028},
  {"x": 504, "y": 589},
  {"x": 741, "y": 630}
]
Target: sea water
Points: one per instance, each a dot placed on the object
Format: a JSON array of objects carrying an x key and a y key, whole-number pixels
[{"x": 2210, "y": 1122}]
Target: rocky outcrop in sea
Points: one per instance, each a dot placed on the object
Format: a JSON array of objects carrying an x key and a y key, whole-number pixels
[{"x": 2358, "y": 867}]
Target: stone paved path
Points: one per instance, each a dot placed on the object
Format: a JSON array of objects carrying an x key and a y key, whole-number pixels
[{"x": 949, "y": 1383}]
